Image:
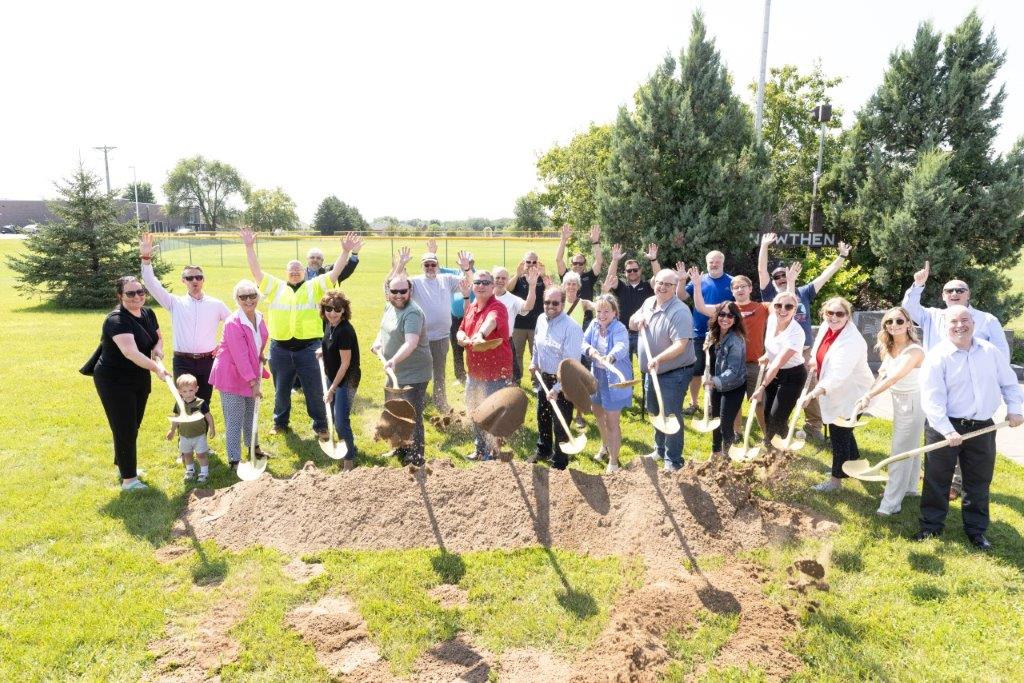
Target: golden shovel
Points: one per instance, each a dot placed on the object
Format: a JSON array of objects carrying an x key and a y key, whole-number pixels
[
  {"x": 251, "y": 469},
  {"x": 795, "y": 439},
  {"x": 575, "y": 444},
  {"x": 707, "y": 423},
  {"x": 332, "y": 447},
  {"x": 742, "y": 453}
]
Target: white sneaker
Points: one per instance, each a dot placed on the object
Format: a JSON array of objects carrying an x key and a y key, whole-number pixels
[
  {"x": 827, "y": 486},
  {"x": 601, "y": 455},
  {"x": 670, "y": 468},
  {"x": 611, "y": 468},
  {"x": 135, "y": 485},
  {"x": 653, "y": 455}
]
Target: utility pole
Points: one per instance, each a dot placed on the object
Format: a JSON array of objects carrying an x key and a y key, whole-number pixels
[
  {"x": 759, "y": 107},
  {"x": 106, "y": 162},
  {"x": 135, "y": 186}
]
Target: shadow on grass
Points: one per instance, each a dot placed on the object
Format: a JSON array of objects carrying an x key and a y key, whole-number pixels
[
  {"x": 926, "y": 563},
  {"x": 927, "y": 592}
]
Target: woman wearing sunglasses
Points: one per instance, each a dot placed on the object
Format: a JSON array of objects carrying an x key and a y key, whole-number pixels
[
  {"x": 340, "y": 352},
  {"x": 840, "y": 356},
  {"x": 902, "y": 356},
  {"x": 238, "y": 369},
  {"x": 727, "y": 382},
  {"x": 783, "y": 354},
  {"x": 131, "y": 347}
]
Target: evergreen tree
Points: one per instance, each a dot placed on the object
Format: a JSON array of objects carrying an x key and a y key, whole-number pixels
[
  {"x": 530, "y": 212},
  {"x": 145, "y": 191},
  {"x": 681, "y": 169},
  {"x": 75, "y": 261},
  {"x": 940, "y": 94}
]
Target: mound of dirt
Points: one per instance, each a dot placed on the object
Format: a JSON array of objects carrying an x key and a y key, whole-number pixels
[
  {"x": 337, "y": 632},
  {"x": 637, "y": 511}
]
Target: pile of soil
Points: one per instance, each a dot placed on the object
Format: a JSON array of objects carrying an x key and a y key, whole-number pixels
[{"x": 637, "y": 511}]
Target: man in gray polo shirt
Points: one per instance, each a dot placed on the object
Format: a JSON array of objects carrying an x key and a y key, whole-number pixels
[{"x": 666, "y": 350}]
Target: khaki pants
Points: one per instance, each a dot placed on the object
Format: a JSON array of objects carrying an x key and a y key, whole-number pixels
[
  {"x": 812, "y": 413},
  {"x": 520, "y": 339}
]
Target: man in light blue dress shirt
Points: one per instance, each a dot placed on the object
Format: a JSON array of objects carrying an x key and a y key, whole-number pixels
[
  {"x": 962, "y": 381},
  {"x": 557, "y": 337}
]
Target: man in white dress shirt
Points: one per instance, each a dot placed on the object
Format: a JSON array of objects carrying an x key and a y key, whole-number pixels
[
  {"x": 962, "y": 381},
  {"x": 195, "y": 318}
]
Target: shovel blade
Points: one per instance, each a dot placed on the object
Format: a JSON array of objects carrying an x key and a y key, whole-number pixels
[
  {"x": 705, "y": 425},
  {"x": 251, "y": 470},
  {"x": 862, "y": 469},
  {"x": 780, "y": 443},
  {"x": 667, "y": 424},
  {"x": 848, "y": 424},
  {"x": 623, "y": 385},
  {"x": 574, "y": 445},
  {"x": 194, "y": 417},
  {"x": 330, "y": 449},
  {"x": 340, "y": 451}
]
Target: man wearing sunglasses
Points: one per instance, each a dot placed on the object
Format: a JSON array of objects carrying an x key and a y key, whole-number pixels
[
  {"x": 195, "y": 318},
  {"x": 778, "y": 282},
  {"x": 296, "y": 330},
  {"x": 523, "y": 330},
  {"x": 588, "y": 276}
]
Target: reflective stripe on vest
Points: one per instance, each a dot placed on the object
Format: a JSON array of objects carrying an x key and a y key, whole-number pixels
[{"x": 292, "y": 314}]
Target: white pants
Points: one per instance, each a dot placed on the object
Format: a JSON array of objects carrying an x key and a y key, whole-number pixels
[{"x": 907, "y": 430}]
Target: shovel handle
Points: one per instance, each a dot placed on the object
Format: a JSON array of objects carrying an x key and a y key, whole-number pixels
[
  {"x": 255, "y": 424},
  {"x": 938, "y": 444},
  {"x": 654, "y": 375},
  {"x": 753, "y": 409},
  {"x": 611, "y": 368},
  {"x": 554, "y": 404},
  {"x": 174, "y": 389},
  {"x": 329, "y": 410},
  {"x": 798, "y": 409},
  {"x": 388, "y": 371}
]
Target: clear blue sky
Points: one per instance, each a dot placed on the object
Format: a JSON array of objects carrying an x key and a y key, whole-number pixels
[{"x": 414, "y": 109}]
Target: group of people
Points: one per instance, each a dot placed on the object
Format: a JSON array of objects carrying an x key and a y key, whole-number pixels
[{"x": 943, "y": 384}]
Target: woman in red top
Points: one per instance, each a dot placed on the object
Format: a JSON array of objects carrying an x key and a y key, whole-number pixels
[
  {"x": 840, "y": 356},
  {"x": 484, "y": 319}
]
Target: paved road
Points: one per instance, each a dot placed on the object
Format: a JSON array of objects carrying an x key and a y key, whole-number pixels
[{"x": 1009, "y": 442}]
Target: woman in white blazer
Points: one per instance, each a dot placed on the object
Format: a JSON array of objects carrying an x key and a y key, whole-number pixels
[{"x": 840, "y": 357}]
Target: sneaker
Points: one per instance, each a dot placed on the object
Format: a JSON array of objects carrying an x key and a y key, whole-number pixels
[
  {"x": 233, "y": 465},
  {"x": 653, "y": 455},
  {"x": 202, "y": 478},
  {"x": 611, "y": 468},
  {"x": 190, "y": 474},
  {"x": 691, "y": 410},
  {"x": 324, "y": 435},
  {"x": 279, "y": 429},
  {"x": 474, "y": 456},
  {"x": 136, "y": 485},
  {"x": 601, "y": 455},
  {"x": 670, "y": 468},
  {"x": 813, "y": 434},
  {"x": 827, "y": 486}
]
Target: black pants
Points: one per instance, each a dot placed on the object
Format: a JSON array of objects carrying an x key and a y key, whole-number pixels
[
  {"x": 547, "y": 424},
  {"x": 125, "y": 405},
  {"x": 844, "y": 447},
  {"x": 200, "y": 368},
  {"x": 780, "y": 397},
  {"x": 725, "y": 406},
  {"x": 458, "y": 352},
  {"x": 977, "y": 460}
]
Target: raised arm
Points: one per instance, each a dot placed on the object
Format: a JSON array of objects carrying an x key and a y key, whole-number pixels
[
  {"x": 792, "y": 273},
  {"x": 560, "y": 254},
  {"x": 912, "y": 297},
  {"x": 532, "y": 276},
  {"x": 763, "y": 278},
  {"x": 149, "y": 278},
  {"x": 595, "y": 249},
  {"x": 833, "y": 268},
  {"x": 652, "y": 259},
  {"x": 355, "y": 243},
  {"x": 399, "y": 264},
  {"x": 612, "y": 278},
  {"x": 249, "y": 240},
  {"x": 698, "y": 295},
  {"x": 347, "y": 243}
]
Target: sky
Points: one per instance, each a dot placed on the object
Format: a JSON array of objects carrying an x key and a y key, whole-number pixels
[{"x": 409, "y": 109}]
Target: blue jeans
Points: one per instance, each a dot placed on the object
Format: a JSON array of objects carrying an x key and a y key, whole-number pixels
[
  {"x": 673, "y": 385},
  {"x": 343, "y": 399},
  {"x": 285, "y": 366},
  {"x": 477, "y": 390}
]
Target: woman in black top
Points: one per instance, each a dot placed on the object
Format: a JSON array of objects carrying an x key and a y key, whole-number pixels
[
  {"x": 340, "y": 352},
  {"x": 131, "y": 346}
]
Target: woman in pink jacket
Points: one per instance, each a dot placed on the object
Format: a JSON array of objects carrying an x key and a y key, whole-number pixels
[{"x": 238, "y": 369}]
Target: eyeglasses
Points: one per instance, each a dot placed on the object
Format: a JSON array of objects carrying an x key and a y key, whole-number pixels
[
  {"x": 135, "y": 292},
  {"x": 552, "y": 303},
  {"x": 579, "y": 263},
  {"x": 894, "y": 321},
  {"x": 193, "y": 278},
  {"x": 726, "y": 314},
  {"x": 483, "y": 283},
  {"x": 835, "y": 314},
  {"x": 530, "y": 263},
  {"x": 248, "y": 297},
  {"x": 399, "y": 291},
  {"x": 741, "y": 286},
  {"x": 632, "y": 270},
  {"x": 781, "y": 306},
  {"x": 430, "y": 265},
  {"x": 664, "y": 284},
  {"x": 955, "y": 290},
  {"x": 333, "y": 309},
  {"x": 779, "y": 276}
]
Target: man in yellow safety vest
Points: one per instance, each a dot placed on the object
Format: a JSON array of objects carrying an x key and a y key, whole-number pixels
[{"x": 295, "y": 328}]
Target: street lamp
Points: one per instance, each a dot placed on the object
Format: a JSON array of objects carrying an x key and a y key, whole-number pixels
[{"x": 821, "y": 114}]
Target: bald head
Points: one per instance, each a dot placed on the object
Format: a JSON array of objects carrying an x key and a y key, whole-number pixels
[{"x": 956, "y": 292}]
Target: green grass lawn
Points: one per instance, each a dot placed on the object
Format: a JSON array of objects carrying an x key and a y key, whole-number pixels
[{"x": 81, "y": 593}]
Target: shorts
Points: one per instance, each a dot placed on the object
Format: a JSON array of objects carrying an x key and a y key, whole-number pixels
[
  {"x": 753, "y": 368},
  {"x": 193, "y": 444}
]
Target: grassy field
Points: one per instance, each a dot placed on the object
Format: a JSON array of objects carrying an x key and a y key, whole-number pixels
[{"x": 81, "y": 593}]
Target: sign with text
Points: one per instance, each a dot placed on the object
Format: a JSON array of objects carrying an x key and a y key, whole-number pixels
[{"x": 813, "y": 240}]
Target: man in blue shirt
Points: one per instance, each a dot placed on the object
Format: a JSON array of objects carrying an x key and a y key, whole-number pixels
[
  {"x": 962, "y": 381},
  {"x": 777, "y": 282},
  {"x": 716, "y": 286}
]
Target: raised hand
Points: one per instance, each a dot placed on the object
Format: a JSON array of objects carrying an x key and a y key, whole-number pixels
[
  {"x": 767, "y": 239},
  {"x": 146, "y": 247},
  {"x": 843, "y": 249},
  {"x": 521, "y": 268},
  {"x": 464, "y": 285},
  {"x": 547, "y": 281},
  {"x": 566, "y": 233},
  {"x": 464, "y": 260},
  {"x": 248, "y": 237},
  {"x": 595, "y": 233},
  {"x": 617, "y": 253},
  {"x": 793, "y": 271},
  {"x": 652, "y": 252},
  {"x": 351, "y": 242},
  {"x": 432, "y": 245},
  {"x": 694, "y": 273},
  {"x": 404, "y": 256},
  {"x": 921, "y": 276},
  {"x": 532, "y": 275}
]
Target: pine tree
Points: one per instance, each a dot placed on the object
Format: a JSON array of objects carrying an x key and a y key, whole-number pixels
[
  {"x": 75, "y": 261},
  {"x": 939, "y": 94},
  {"x": 681, "y": 171}
]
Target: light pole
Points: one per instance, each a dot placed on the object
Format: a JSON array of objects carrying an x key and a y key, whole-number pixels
[
  {"x": 106, "y": 163},
  {"x": 135, "y": 186},
  {"x": 822, "y": 114},
  {"x": 759, "y": 107}
]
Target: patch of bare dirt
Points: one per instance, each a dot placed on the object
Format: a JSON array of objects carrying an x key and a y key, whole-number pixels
[
  {"x": 302, "y": 572},
  {"x": 187, "y": 655},
  {"x": 638, "y": 511},
  {"x": 338, "y": 635},
  {"x": 449, "y": 596},
  {"x": 171, "y": 552},
  {"x": 527, "y": 665}
]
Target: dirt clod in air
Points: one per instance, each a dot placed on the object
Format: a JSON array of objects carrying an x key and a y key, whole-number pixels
[{"x": 810, "y": 567}]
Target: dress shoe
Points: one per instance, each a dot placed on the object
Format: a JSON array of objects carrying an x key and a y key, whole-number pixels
[
  {"x": 278, "y": 429},
  {"x": 925, "y": 535},
  {"x": 981, "y": 543}
]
